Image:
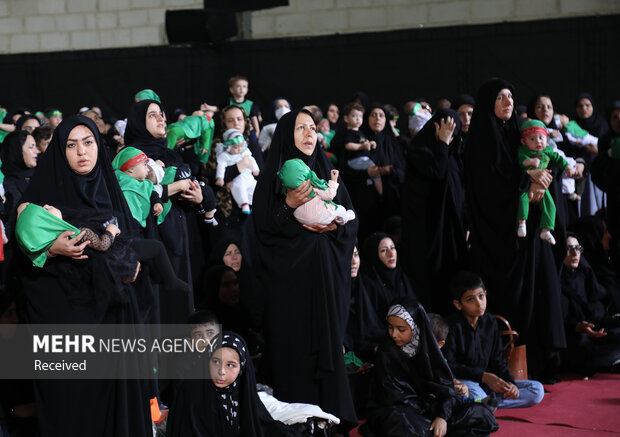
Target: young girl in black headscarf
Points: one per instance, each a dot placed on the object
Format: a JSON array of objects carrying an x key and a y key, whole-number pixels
[
  {"x": 412, "y": 393},
  {"x": 227, "y": 405},
  {"x": 76, "y": 285},
  {"x": 305, "y": 270}
]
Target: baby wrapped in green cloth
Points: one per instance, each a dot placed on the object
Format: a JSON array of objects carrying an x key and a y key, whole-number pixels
[{"x": 320, "y": 209}]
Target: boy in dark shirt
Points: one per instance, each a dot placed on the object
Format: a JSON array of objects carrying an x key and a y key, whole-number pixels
[{"x": 474, "y": 350}]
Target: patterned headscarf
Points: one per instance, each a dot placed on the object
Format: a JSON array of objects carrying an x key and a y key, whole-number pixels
[
  {"x": 229, "y": 396},
  {"x": 399, "y": 311}
]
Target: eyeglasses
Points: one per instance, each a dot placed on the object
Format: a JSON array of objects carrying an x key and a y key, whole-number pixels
[{"x": 575, "y": 249}]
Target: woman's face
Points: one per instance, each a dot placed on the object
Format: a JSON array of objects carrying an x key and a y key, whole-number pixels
[
  {"x": 30, "y": 125},
  {"x": 332, "y": 114},
  {"x": 614, "y": 121},
  {"x": 504, "y": 104},
  {"x": 30, "y": 152},
  {"x": 156, "y": 121},
  {"x": 224, "y": 366},
  {"x": 282, "y": 103},
  {"x": 232, "y": 257},
  {"x": 305, "y": 134},
  {"x": 81, "y": 150},
  {"x": 544, "y": 109},
  {"x": 355, "y": 263},
  {"x": 233, "y": 119},
  {"x": 229, "y": 289},
  {"x": 584, "y": 108},
  {"x": 387, "y": 253},
  {"x": 376, "y": 120}
]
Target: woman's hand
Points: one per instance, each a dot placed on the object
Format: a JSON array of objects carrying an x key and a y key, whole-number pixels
[
  {"x": 193, "y": 194},
  {"x": 246, "y": 162},
  {"x": 439, "y": 426},
  {"x": 69, "y": 247},
  {"x": 541, "y": 176},
  {"x": 297, "y": 197},
  {"x": 444, "y": 129},
  {"x": 536, "y": 192},
  {"x": 588, "y": 329},
  {"x": 579, "y": 168},
  {"x": 317, "y": 227}
]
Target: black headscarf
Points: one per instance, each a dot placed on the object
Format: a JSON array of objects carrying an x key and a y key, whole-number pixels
[
  {"x": 86, "y": 200},
  {"x": 201, "y": 409},
  {"x": 138, "y": 136},
  {"x": 23, "y": 119},
  {"x": 96, "y": 196},
  {"x": 13, "y": 164},
  {"x": 434, "y": 246},
  {"x": 382, "y": 283},
  {"x": 319, "y": 266},
  {"x": 595, "y": 124},
  {"x": 462, "y": 99}
]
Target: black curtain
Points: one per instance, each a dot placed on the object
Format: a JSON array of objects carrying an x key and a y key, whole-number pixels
[{"x": 561, "y": 57}]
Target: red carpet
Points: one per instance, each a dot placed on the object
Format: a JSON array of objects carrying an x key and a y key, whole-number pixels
[
  {"x": 572, "y": 408},
  {"x": 592, "y": 405}
]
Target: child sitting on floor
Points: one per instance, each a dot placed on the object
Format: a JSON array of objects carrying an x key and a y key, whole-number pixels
[
  {"x": 412, "y": 391},
  {"x": 320, "y": 209},
  {"x": 535, "y": 153},
  {"x": 474, "y": 350},
  {"x": 234, "y": 150}
]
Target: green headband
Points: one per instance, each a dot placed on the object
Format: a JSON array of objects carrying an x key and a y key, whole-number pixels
[
  {"x": 238, "y": 139},
  {"x": 52, "y": 113}
]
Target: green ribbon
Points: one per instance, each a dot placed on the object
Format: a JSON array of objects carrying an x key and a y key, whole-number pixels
[
  {"x": 52, "y": 113},
  {"x": 238, "y": 139}
]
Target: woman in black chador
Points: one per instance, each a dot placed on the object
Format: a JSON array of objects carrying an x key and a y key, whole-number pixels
[
  {"x": 75, "y": 176},
  {"x": 521, "y": 274},
  {"x": 434, "y": 246},
  {"x": 305, "y": 270},
  {"x": 412, "y": 392}
]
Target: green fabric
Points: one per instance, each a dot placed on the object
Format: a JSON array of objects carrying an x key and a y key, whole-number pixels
[
  {"x": 546, "y": 155},
  {"x": 294, "y": 172},
  {"x": 246, "y": 105},
  {"x": 416, "y": 108},
  {"x": 533, "y": 123},
  {"x": 3, "y": 133},
  {"x": 1, "y": 174},
  {"x": 147, "y": 94},
  {"x": 614, "y": 146},
  {"x": 351, "y": 358},
  {"x": 328, "y": 137},
  {"x": 36, "y": 230},
  {"x": 123, "y": 156},
  {"x": 138, "y": 196},
  {"x": 169, "y": 174},
  {"x": 52, "y": 113},
  {"x": 238, "y": 139},
  {"x": 547, "y": 210},
  {"x": 574, "y": 129},
  {"x": 193, "y": 127}
]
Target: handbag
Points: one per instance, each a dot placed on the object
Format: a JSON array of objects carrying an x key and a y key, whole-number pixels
[{"x": 515, "y": 355}]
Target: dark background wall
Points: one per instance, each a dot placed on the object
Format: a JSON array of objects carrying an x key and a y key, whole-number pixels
[{"x": 559, "y": 57}]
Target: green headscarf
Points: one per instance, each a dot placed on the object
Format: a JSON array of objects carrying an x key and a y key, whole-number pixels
[
  {"x": 147, "y": 94},
  {"x": 295, "y": 172},
  {"x": 48, "y": 228}
]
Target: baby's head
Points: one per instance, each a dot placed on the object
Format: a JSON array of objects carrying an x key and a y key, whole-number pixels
[
  {"x": 353, "y": 115},
  {"x": 293, "y": 173},
  {"x": 440, "y": 328},
  {"x": 132, "y": 162},
  {"x": 323, "y": 126},
  {"x": 228, "y": 360},
  {"x": 234, "y": 141},
  {"x": 534, "y": 135}
]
